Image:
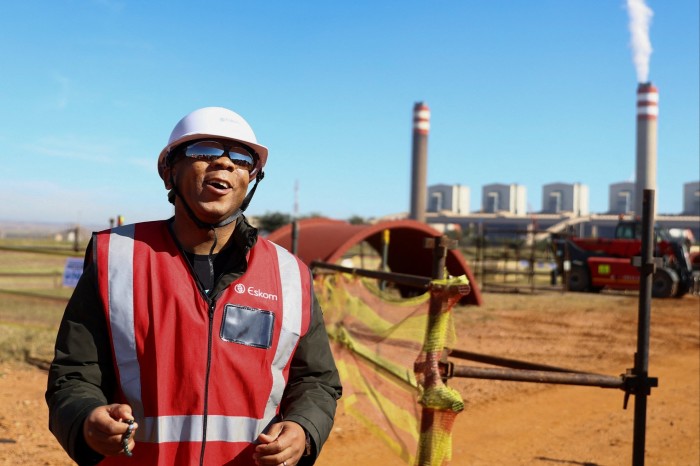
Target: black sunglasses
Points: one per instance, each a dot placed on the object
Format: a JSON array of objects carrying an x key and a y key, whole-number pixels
[{"x": 210, "y": 150}]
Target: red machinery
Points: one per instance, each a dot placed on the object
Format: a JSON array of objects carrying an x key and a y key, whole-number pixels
[{"x": 591, "y": 264}]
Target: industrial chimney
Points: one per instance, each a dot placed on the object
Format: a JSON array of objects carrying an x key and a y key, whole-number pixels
[
  {"x": 647, "y": 113},
  {"x": 419, "y": 168}
]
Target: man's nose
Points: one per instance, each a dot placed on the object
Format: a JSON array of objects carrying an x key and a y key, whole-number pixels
[{"x": 223, "y": 163}]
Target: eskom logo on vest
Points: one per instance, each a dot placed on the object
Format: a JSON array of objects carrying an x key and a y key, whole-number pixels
[{"x": 241, "y": 288}]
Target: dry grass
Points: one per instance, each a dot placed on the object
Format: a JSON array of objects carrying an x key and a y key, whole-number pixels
[
  {"x": 28, "y": 326},
  {"x": 31, "y": 300}
]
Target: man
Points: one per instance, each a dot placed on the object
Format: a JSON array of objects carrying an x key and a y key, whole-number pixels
[{"x": 193, "y": 341}]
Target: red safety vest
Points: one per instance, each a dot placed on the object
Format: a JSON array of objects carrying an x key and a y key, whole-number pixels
[{"x": 203, "y": 378}]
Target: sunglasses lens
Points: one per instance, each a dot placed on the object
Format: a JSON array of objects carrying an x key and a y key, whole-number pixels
[
  {"x": 241, "y": 158},
  {"x": 205, "y": 150},
  {"x": 212, "y": 150}
]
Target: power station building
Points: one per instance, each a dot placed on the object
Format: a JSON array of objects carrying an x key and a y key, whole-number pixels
[
  {"x": 621, "y": 198},
  {"x": 691, "y": 198},
  {"x": 571, "y": 199},
  {"x": 450, "y": 198},
  {"x": 506, "y": 198},
  {"x": 504, "y": 206},
  {"x": 559, "y": 198}
]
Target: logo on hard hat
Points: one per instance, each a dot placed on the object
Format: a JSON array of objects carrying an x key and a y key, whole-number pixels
[{"x": 228, "y": 120}]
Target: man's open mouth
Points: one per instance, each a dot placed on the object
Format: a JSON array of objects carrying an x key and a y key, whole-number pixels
[{"x": 219, "y": 184}]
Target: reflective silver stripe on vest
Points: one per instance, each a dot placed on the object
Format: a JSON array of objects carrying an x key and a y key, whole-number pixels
[
  {"x": 291, "y": 325},
  {"x": 121, "y": 313},
  {"x": 188, "y": 428}
]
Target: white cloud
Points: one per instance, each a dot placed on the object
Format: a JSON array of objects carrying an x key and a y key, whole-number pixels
[{"x": 71, "y": 147}]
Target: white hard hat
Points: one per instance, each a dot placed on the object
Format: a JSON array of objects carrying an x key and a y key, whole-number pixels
[{"x": 215, "y": 122}]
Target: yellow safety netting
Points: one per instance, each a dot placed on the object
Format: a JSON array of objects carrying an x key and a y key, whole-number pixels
[
  {"x": 441, "y": 403},
  {"x": 377, "y": 338}
]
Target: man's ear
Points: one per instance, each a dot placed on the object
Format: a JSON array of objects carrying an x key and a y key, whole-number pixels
[{"x": 168, "y": 177}]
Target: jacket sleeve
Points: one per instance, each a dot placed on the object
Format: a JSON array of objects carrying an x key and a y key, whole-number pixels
[
  {"x": 81, "y": 376},
  {"x": 314, "y": 385}
]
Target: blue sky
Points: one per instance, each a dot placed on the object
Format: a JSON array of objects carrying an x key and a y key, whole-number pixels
[{"x": 527, "y": 92}]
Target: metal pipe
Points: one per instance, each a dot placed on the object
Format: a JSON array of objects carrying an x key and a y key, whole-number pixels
[
  {"x": 531, "y": 267},
  {"x": 295, "y": 237},
  {"x": 480, "y": 252},
  {"x": 641, "y": 359},
  {"x": 523, "y": 375},
  {"x": 416, "y": 281},
  {"x": 385, "y": 256},
  {"x": 76, "y": 239},
  {"x": 440, "y": 246},
  {"x": 516, "y": 272},
  {"x": 505, "y": 362}
]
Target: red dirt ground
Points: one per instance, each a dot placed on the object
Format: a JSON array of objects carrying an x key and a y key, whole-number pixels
[{"x": 504, "y": 423}]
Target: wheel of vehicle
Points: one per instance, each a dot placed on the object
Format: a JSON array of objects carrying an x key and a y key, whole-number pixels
[
  {"x": 664, "y": 283},
  {"x": 579, "y": 280},
  {"x": 683, "y": 289}
]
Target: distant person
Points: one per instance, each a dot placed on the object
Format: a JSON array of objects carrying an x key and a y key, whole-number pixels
[{"x": 192, "y": 340}]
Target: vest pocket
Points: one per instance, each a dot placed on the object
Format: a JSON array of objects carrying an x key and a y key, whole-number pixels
[{"x": 247, "y": 326}]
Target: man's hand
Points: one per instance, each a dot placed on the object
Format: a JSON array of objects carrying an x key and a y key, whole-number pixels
[
  {"x": 103, "y": 429},
  {"x": 282, "y": 444}
]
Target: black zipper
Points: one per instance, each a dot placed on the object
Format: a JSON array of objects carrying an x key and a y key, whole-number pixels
[{"x": 212, "y": 306}]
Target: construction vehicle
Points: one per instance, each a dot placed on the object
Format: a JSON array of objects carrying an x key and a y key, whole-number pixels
[{"x": 591, "y": 264}]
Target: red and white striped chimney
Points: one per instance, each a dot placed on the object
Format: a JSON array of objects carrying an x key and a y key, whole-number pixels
[
  {"x": 647, "y": 114},
  {"x": 419, "y": 168}
]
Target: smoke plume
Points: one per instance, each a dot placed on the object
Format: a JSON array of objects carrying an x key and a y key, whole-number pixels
[{"x": 640, "y": 19}]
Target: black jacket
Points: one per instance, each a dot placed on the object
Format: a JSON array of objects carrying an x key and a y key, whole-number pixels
[{"x": 82, "y": 375}]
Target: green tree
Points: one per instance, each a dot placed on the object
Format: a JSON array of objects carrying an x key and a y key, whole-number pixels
[
  {"x": 271, "y": 221},
  {"x": 357, "y": 220}
]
